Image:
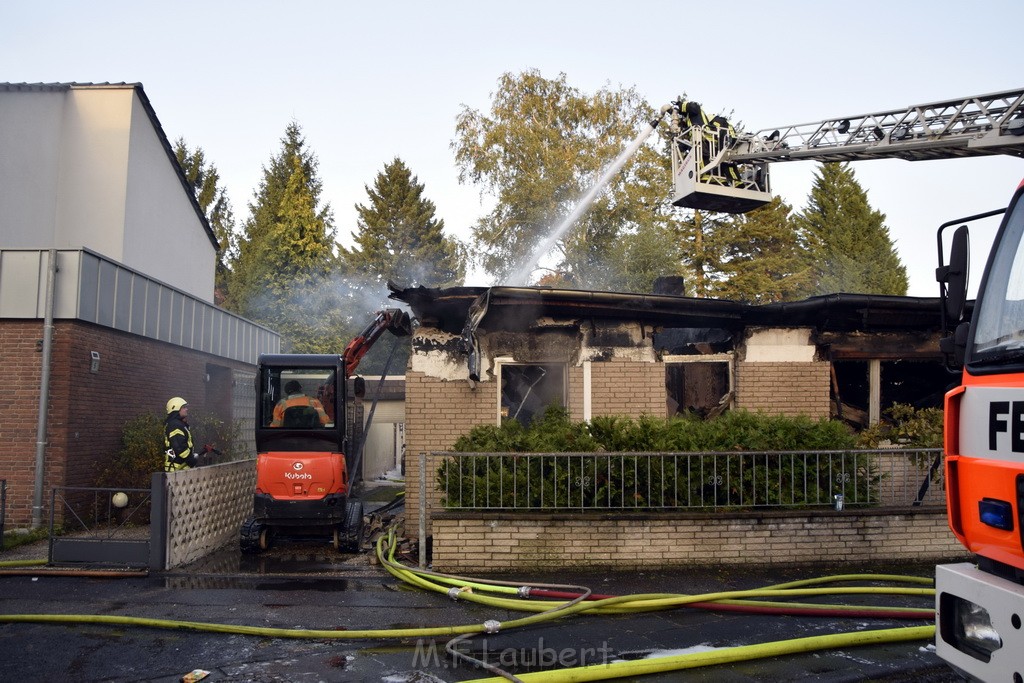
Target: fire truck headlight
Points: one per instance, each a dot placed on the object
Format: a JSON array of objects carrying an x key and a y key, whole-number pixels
[{"x": 972, "y": 629}]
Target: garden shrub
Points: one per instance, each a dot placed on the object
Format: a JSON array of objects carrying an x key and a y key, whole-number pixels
[{"x": 629, "y": 481}]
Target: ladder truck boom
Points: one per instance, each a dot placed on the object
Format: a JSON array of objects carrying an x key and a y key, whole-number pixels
[{"x": 715, "y": 169}]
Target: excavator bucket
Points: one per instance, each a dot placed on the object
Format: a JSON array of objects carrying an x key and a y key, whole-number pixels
[{"x": 400, "y": 324}]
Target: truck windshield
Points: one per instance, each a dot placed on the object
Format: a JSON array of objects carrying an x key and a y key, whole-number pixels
[{"x": 999, "y": 331}]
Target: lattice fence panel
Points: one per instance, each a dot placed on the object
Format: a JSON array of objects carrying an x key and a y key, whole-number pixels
[{"x": 206, "y": 506}]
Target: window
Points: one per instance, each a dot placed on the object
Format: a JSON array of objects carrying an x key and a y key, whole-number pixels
[
  {"x": 527, "y": 390},
  {"x": 297, "y": 398},
  {"x": 698, "y": 385}
]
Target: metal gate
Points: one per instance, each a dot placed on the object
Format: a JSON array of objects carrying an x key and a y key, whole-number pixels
[{"x": 102, "y": 526}]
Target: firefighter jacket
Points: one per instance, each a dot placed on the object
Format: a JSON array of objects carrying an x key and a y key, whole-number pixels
[
  {"x": 298, "y": 401},
  {"x": 178, "y": 453}
]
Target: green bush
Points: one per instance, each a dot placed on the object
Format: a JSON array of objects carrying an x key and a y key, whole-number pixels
[
  {"x": 141, "y": 454},
  {"x": 223, "y": 435},
  {"x": 525, "y": 481},
  {"x": 736, "y": 430},
  {"x": 906, "y": 426}
]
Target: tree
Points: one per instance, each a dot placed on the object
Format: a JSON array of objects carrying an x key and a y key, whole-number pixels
[
  {"x": 541, "y": 148},
  {"x": 645, "y": 255},
  {"x": 849, "y": 242},
  {"x": 213, "y": 200},
  {"x": 761, "y": 257},
  {"x": 286, "y": 275},
  {"x": 398, "y": 237}
]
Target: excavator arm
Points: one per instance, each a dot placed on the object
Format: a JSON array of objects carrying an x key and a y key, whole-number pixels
[{"x": 392, "y": 320}]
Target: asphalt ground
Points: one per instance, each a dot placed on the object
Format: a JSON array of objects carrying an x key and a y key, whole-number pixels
[{"x": 309, "y": 586}]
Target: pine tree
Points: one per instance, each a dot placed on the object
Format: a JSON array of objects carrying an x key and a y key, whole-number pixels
[
  {"x": 761, "y": 257},
  {"x": 399, "y": 238},
  {"x": 849, "y": 242},
  {"x": 213, "y": 200},
  {"x": 286, "y": 274}
]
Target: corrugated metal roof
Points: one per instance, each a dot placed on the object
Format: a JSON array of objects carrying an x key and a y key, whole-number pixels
[{"x": 150, "y": 112}]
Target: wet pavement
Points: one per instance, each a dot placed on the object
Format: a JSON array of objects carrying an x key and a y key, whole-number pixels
[{"x": 312, "y": 587}]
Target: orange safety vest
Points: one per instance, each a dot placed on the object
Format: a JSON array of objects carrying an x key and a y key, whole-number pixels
[{"x": 299, "y": 400}]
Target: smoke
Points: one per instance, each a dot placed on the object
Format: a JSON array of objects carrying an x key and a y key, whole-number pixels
[{"x": 521, "y": 276}]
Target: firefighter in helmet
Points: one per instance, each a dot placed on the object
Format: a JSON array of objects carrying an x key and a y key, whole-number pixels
[{"x": 178, "y": 453}]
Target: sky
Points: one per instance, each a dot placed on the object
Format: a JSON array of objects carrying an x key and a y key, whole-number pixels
[{"x": 368, "y": 82}]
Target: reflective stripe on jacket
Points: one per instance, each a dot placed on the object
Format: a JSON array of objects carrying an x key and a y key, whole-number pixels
[{"x": 177, "y": 444}]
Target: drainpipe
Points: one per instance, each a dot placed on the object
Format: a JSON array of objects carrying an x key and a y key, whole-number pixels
[{"x": 44, "y": 393}]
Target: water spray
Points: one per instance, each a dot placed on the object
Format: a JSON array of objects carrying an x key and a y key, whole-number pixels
[{"x": 522, "y": 275}]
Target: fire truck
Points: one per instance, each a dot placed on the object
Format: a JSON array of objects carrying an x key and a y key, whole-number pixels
[{"x": 979, "y": 605}]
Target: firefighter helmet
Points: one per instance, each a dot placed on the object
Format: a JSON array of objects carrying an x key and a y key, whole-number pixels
[{"x": 176, "y": 404}]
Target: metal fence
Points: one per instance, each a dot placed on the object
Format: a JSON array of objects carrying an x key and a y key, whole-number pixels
[
  {"x": 690, "y": 481},
  {"x": 100, "y": 525}
]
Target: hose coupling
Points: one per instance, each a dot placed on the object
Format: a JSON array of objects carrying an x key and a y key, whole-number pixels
[
  {"x": 454, "y": 591},
  {"x": 492, "y": 626},
  {"x": 523, "y": 591}
]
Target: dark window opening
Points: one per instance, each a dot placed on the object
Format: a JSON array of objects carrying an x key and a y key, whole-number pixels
[
  {"x": 699, "y": 388},
  {"x": 921, "y": 384},
  {"x": 918, "y": 383},
  {"x": 527, "y": 390}
]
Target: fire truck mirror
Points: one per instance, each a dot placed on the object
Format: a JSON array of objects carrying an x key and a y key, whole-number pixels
[
  {"x": 358, "y": 387},
  {"x": 956, "y": 277}
]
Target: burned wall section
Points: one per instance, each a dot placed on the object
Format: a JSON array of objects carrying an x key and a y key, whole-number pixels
[
  {"x": 908, "y": 369},
  {"x": 780, "y": 371}
]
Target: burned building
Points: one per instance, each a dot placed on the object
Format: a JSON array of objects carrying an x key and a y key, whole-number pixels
[{"x": 484, "y": 355}]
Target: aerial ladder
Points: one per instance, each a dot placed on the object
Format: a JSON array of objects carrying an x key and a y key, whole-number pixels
[{"x": 716, "y": 169}]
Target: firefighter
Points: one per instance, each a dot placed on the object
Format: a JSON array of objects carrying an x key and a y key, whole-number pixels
[
  {"x": 178, "y": 453},
  {"x": 716, "y": 135},
  {"x": 294, "y": 398}
]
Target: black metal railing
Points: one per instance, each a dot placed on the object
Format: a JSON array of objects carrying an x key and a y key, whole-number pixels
[{"x": 690, "y": 481}]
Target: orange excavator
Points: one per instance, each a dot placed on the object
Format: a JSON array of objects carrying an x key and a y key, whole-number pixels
[{"x": 303, "y": 479}]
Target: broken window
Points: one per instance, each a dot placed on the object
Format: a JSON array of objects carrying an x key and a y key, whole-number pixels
[
  {"x": 918, "y": 383},
  {"x": 527, "y": 390},
  {"x": 700, "y": 387}
]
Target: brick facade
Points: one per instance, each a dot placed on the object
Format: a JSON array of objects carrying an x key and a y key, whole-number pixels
[
  {"x": 784, "y": 388},
  {"x": 87, "y": 411},
  {"x": 474, "y": 542},
  {"x": 629, "y": 388},
  {"x": 439, "y": 411}
]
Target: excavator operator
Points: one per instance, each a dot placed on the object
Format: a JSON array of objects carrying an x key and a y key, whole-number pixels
[{"x": 297, "y": 403}]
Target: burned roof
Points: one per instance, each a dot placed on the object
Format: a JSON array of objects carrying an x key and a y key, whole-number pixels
[{"x": 511, "y": 308}]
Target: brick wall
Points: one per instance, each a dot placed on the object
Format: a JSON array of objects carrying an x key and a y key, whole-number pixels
[
  {"x": 784, "y": 388},
  {"x": 630, "y": 388},
  {"x": 88, "y": 410},
  {"x": 437, "y": 412},
  {"x": 476, "y": 542}
]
